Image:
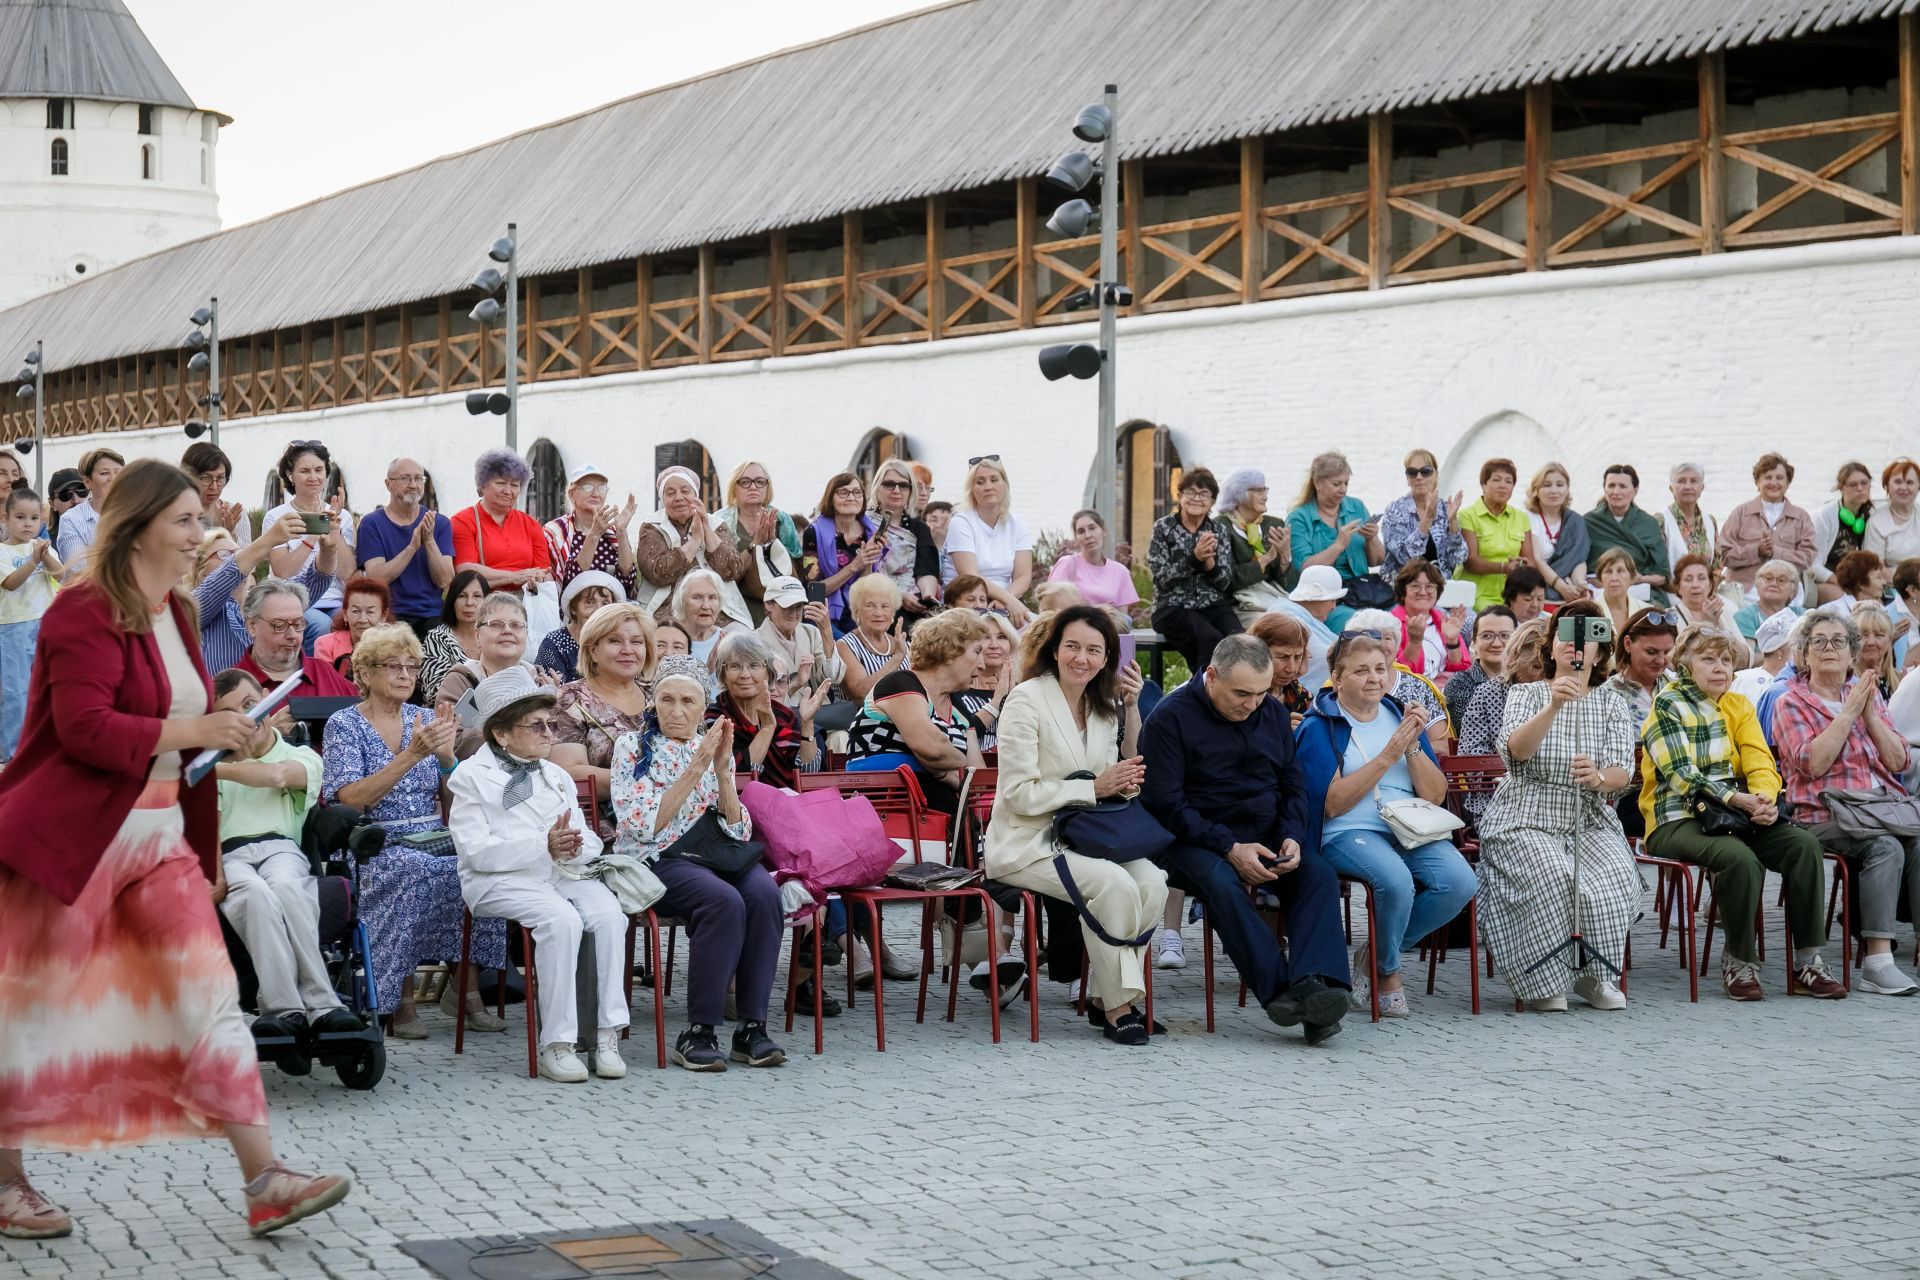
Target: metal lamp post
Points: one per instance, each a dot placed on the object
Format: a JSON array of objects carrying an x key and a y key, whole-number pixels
[
  {"x": 33, "y": 384},
  {"x": 205, "y": 339},
  {"x": 490, "y": 282}
]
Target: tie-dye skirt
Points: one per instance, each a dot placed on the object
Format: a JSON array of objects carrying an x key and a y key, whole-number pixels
[{"x": 119, "y": 1015}]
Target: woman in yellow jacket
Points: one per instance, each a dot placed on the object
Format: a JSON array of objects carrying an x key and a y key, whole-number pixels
[{"x": 1704, "y": 743}]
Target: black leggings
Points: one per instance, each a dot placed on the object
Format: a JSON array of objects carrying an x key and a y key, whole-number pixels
[{"x": 1192, "y": 633}]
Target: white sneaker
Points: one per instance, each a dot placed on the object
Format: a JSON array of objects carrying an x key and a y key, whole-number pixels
[
  {"x": 1551, "y": 1004},
  {"x": 1171, "y": 949},
  {"x": 607, "y": 1063},
  {"x": 1885, "y": 980},
  {"x": 1599, "y": 992},
  {"x": 559, "y": 1063}
]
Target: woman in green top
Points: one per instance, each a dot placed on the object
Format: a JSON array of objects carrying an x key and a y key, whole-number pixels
[
  {"x": 1499, "y": 535},
  {"x": 1328, "y": 527}
]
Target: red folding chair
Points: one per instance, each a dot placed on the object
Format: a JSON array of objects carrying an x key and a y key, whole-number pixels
[
  {"x": 897, "y": 798},
  {"x": 1674, "y": 896},
  {"x": 976, "y": 811}
]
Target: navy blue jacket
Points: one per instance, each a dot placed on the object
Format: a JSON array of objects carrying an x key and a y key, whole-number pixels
[
  {"x": 1324, "y": 734},
  {"x": 1215, "y": 783}
]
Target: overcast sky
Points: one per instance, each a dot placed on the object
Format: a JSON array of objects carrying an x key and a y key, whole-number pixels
[{"x": 325, "y": 96}]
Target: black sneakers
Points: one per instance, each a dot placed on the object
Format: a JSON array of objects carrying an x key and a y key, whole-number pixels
[
  {"x": 698, "y": 1049},
  {"x": 753, "y": 1046}
]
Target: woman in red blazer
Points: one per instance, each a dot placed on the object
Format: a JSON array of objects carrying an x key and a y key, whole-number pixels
[{"x": 122, "y": 1013}]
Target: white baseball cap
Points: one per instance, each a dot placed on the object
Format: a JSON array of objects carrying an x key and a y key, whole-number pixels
[
  {"x": 1774, "y": 631},
  {"x": 578, "y": 474},
  {"x": 785, "y": 591}
]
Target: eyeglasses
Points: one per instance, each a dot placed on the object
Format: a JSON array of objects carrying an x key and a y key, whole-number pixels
[
  {"x": 505, "y": 624},
  {"x": 598, "y": 490},
  {"x": 410, "y": 478},
  {"x": 1419, "y": 473},
  {"x": 398, "y": 669},
  {"x": 985, "y": 457},
  {"x": 285, "y": 626},
  {"x": 751, "y": 482},
  {"x": 849, "y": 491},
  {"x": 542, "y": 726},
  {"x": 896, "y": 485},
  {"x": 1827, "y": 644}
]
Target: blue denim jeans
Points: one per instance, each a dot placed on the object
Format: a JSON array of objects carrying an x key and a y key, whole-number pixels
[
  {"x": 1414, "y": 891},
  {"x": 16, "y": 671}
]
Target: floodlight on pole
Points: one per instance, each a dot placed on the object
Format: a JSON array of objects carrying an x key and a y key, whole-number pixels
[
  {"x": 31, "y": 386},
  {"x": 204, "y": 342},
  {"x": 486, "y": 313},
  {"x": 1073, "y": 172}
]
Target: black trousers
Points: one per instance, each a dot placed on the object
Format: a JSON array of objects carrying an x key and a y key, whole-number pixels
[{"x": 1192, "y": 633}]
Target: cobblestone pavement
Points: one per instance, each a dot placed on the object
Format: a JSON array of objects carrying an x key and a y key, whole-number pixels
[{"x": 1667, "y": 1140}]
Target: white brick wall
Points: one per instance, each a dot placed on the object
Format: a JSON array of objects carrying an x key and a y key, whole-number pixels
[{"x": 1808, "y": 350}]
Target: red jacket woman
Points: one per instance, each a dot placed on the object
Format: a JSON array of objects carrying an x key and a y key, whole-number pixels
[{"x": 104, "y": 881}]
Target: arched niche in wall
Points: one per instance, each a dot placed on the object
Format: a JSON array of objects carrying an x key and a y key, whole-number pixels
[
  {"x": 878, "y": 446},
  {"x": 1506, "y": 434},
  {"x": 692, "y": 455},
  {"x": 1149, "y": 470}
]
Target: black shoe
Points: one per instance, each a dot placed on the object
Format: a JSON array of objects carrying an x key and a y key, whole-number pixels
[
  {"x": 274, "y": 1026},
  {"x": 1097, "y": 1018},
  {"x": 338, "y": 1022},
  {"x": 830, "y": 952},
  {"x": 1310, "y": 1001},
  {"x": 1131, "y": 1029},
  {"x": 753, "y": 1046},
  {"x": 1322, "y": 1033},
  {"x": 803, "y": 1001},
  {"x": 698, "y": 1049}
]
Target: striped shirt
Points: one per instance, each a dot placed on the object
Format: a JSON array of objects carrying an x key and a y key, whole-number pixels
[
  {"x": 224, "y": 638},
  {"x": 872, "y": 662}
]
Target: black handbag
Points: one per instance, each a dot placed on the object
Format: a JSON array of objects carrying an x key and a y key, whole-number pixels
[
  {"x": 1116, "y": 830},
  {"x": 707, "y": 844},
  {"x": 1367, "y": 591},
  {"x": 1718, "y": 818}
]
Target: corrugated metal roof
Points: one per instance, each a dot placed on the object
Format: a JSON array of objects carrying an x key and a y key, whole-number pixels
[
  {"x": 81, "y": 49},
  {"x": 948, "y": 98}
]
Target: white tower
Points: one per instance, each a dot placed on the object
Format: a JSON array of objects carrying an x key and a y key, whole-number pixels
[{"x": 103, "y": 156}]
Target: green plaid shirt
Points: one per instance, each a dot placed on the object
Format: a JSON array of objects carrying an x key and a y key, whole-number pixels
[{"x": 1689, "y": 746}]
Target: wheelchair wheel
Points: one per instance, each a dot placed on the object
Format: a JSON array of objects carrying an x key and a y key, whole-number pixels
[{"x": 364, "y": 1069}]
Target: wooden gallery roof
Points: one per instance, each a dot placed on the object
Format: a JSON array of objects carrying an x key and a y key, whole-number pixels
[{"x": 945, "y": 99}]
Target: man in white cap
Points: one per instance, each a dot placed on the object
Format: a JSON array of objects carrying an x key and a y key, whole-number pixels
[
  {"x": 1770, "y": 642},
  {"x": 591, "y": 534},
  {"x": 792, "y": 634},
  {"x": 1315, "y": 603},
  {"x": 515, "y": 817}
]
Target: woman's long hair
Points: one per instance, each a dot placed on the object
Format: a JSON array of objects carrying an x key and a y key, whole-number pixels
[
  {"x": 1044, "y": 657},
  {"x": 140, "y": 495}
]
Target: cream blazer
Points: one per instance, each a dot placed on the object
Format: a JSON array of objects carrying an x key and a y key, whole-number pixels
[{"x": 1039, "y": 747}]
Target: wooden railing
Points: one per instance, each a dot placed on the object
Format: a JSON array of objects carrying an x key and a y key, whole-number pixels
[
  {"x": 1573, "y": 248},
  {"x": 1500, "y": 187},
  {"x": 1316, "y": 251},
  {"x": 1878, "y": 133}
]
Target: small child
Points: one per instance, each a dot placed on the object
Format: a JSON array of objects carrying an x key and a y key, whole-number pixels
[{"x": 29, "y": 571}]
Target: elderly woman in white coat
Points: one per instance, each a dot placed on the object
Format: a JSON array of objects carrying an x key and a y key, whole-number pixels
[
  {"x": 1076, "y": 712},
  {"x": 515, "y": 818}
]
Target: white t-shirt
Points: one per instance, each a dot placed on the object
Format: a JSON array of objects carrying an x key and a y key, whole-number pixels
[
  {"x": 30, "y": 599},
  {"x": 332, "y": 598},
  {"x": 993, "y": 546},
  {"x": 1751, "y": 683}
]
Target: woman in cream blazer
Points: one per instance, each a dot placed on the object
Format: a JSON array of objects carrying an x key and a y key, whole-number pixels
[{"x": 1059, "y": 720}]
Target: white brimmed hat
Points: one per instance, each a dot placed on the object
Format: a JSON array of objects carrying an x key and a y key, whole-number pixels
[
  {"x": 1318, "y": 582},
  {"x": 504, "y": 688}
]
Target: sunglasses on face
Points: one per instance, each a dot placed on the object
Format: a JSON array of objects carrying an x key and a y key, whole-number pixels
[
  {"x": 1419, "y": 473},
  {"x": 896, "y": 485},
  {"x": 70, "y": 493}
]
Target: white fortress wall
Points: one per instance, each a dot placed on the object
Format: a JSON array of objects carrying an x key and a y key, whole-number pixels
[{"x": 1809, "y": 349}]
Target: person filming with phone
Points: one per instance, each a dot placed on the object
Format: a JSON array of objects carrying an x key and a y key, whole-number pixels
[
  {"x": 1360, "y": 753},
  {"x": 1568, "y": 743}
]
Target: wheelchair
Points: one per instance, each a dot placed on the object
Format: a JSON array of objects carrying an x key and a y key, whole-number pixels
[{"x": 337, "y": 845}]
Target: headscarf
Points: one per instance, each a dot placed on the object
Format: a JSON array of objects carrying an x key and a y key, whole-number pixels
[
  {"x": 660, "y": 481},
  {"x": 676, "y": 667}
]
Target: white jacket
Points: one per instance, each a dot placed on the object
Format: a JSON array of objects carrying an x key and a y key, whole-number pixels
[
  {"x": 1039, "y": 747},
  {"x": 493, "y": 841}
]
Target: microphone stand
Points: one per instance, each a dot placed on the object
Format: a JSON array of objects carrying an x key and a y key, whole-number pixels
[{"x": 1574, "y": 952}]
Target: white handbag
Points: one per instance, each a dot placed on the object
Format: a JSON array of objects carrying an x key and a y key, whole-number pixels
[{"x": 1415, "y": 822}]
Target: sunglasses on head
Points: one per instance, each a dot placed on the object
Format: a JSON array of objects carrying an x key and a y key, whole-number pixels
[
  {"x": 1419, "y": 473},
  {"x": 1654, "y": 619},
  {"x": 985, "y": 457}
]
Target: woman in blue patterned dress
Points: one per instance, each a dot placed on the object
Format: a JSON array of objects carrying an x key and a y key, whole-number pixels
[{"x": 389, "y": 758}]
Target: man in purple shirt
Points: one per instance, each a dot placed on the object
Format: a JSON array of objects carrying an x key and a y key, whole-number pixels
[{"x": 408, "y": 548}]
